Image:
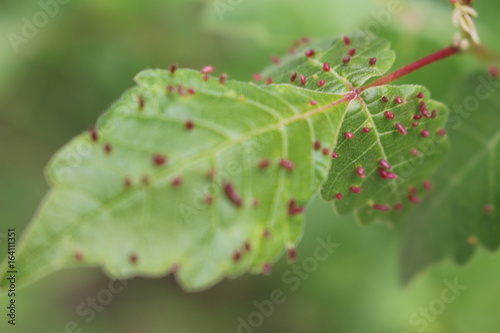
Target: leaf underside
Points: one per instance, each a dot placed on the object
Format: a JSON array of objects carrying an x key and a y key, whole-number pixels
[
  {"x": 208, "y": 180},
  {"x": 463, "y": 210}
]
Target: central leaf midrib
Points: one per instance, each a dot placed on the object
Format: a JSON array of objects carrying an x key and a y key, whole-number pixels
[{"x": 160, "y": 177}]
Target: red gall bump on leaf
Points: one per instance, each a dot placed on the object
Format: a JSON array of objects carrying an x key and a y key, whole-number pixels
[
  {"x": 207, "y": 70},
  {"x": 127, "y": 182},
  {"x": 189, "y": 125},
  {"x": 159, "y": 160},
  {"x": 472, "y": 240},
  {"x": 346, "y": 60},
  {"x": 78, "y": 255},
  {"x": 414, "y": 199},
  {"x": 303, "y": 80},
  {"x": 347, "y": 40},
  {"x": 420, "y": 95},
  {"x": 145, "y": 180},
  {"x": 383, "y": 208},
  {"x": 177, "y": 181},
  {"x": 211, "y": 174},
  {"x": 175, "y": 268},
  {"x": 267, "y": 269},
  {"x": 292, "y": 254},
  {"x": 309, "y": 53},
  {"x": 142, "y": 102},
  {"x": 181, "y": 90},
  {"x": 170, "y": 88},
  {"x": 287, "y": 164},
  {"x": 107, "y": 148},
  {"x": 257, "y": 77},
  {"x": 248, "y": 247},
  {"x": 313, "y": 103},
  {"x": 352, "y": 52},
  {"x": 401, "y": 129},
  {"x": 267, "y": 234},
  {"x": 425, "y": 133},
  {"x": 173, "y": 68},
  {"x": 326, "y": 151},
  {"x": 428, "y": 185},
  {"x": 373, "y": 61},
  {"x": 232, "y": 195},
  {"x": 392, "y": 175},
  {"x": 191, "y": 91},
  {"x": 264, "y": 164},
  {"x": 415, "y": 124},
  {"x": 223, "y": 78},
  {"x": 356, "y": 189},
  {"x": 413, "y": 190},
  {"x": 321, "y": 83},
  {"x": 417, "y": 117},
  {"x": 360, "y": 171},
  {"x": 275, "y": 59},
  {"x": 133, "y": 258},
  {"x": 208, "y": 199},
  {"x": 305, "y": 40},
  {"x": 441, "y": 132},
  {"x": 385, "y": 99},
  {"x": 398, "y": 206},
  {"x": 488, "y": 209},
  {"x": 293, "y": 209},
  {"x": 389, "y": 115},
  {"x": 317, "y": 145},
  {"x": 236, "y": 256},
  {"x": 326, "y": 67},
  {"x": 339, "y": 196},
  {"x": 349, "y": 135},
  {"x": 205, "y": 78},
  {"x": 93, "y": 134},
  {"x": 387, "y": 175},
  {"x": 293, "y": 77},
  {"x": 434, "y": 114},
  {"x": 334, "y": 154},
  {"x": 494, "y": 71},
  {"x": 384, "y": 164},
  {"x": 269, "y": 80},
  {"x": 398, "y": 100},
  {"x": 424, "y": 110},
  {"x": 366, "y": 130}
]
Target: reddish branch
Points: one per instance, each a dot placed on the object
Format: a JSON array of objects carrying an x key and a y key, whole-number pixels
[{"x": 440, "y": 55}]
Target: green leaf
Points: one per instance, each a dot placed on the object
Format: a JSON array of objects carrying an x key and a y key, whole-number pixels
[
  {"x": 152, "y": 226},
  {"x": 208, "y": 180},
  {"x": 383, "y": 141},
  {"x": 413, "y": 158},
  {"x": 463, "y": 210}
]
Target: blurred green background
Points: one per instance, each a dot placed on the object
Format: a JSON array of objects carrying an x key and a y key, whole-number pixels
[{"x": 85, "y": 56}]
